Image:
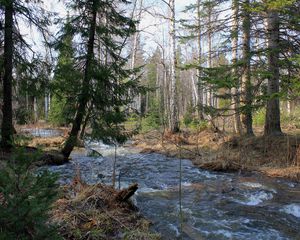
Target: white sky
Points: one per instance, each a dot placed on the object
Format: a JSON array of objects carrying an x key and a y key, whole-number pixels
[{"x": 152, "y": 27}]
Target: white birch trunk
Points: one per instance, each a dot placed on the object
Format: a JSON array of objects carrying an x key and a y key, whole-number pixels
[
  {"x": 35, "y": 109},
  {"x": 199, "y": 93},
  {"x": 174, "y": 124},
  {"x": 209, "y": 92},
  {"x": 137, "y": 102},
  {"x": 234, "y": 91}
]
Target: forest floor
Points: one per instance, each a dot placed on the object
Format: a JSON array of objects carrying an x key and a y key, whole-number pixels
[{"x": 277, "y": 156}]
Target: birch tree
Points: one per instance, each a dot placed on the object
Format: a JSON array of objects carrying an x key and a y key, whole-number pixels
[
  {"x": 235, "y": 90},
  {"x": 174, "y": 118},
  {"x": 199, "y": 92}
]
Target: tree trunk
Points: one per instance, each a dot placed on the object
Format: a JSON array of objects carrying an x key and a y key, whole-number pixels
[
  {"x": 137, "y": 101},
  {"x": 85, "y": 122},
  {"x": 209, "y": 36},
  {"x": 174, "y": 122},
  {"x": 84, "y": 96},
  {"x": 289, "y": 107},
  {"x": 234, "y": 91},
  {"x": 35, "y": 110},
  {"x": 136, "y": 35},
  {"x": 46, "y": 105},
  {"x": 272, "y": 123},
  {"x": 7, "y": 124},
  {"x": 199, "y": 85},
  {"x": 126, "y": 193},
  {"x": 246, "y": 76}
]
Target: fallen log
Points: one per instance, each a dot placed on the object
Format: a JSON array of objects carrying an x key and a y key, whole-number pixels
[
  {"x": 126, "y": 193},
  {"x": 222, "y": 166}
]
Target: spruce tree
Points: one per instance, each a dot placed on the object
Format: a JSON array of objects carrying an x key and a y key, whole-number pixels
[
  {"x": 32, "y": 13},
  {"x": 26, "y": 199},
  {"x": 247, "y": 89},
  {"x": 67, "y": 79},
  {"x": 282, "y": 47},
  {"x": 101, "y": 28}
]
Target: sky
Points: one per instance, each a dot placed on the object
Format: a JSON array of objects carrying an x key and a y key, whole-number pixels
[{"x": 152, "y": 27}]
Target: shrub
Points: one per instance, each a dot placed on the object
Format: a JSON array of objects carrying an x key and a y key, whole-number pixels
[
  {"x": 293, "y": 118},
  {"x": 25, "y": 199},
  {"x": 153, "y": 118},
  {"x": 61, "y": 112},
  {"x": 259, "y": 117},
  {"x": 150, "y": 122},
  {"x": 198, "y": 125},
  {"x": 188, "y": 117},
  {"x": 23, "y": 116}
]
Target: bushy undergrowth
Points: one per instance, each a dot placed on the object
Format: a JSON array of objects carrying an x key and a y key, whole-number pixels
[
  {"x": 23, "y": 116},
  {"x": 286, "y": 119},
  {"x": 259, "y": 117},
  {"x": 25, "y": 199},
  {"x": 150, "y": 122},
  {"x": 292, "y": 119},
  {"x": 194, "y": 124},
  {"x": 60, "y": 113}
]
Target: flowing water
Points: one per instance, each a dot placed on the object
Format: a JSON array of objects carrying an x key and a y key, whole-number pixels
[
  {"x": 214, "y": 205},
  {"x": 43, "y": 133}
]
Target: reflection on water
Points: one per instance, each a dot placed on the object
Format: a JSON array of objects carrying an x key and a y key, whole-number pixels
[{"x": 214, "y": 205}]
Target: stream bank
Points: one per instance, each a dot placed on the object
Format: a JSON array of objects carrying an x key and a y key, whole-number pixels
[{"x": 218, "y": 151}]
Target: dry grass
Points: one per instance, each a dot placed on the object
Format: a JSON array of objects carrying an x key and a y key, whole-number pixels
[
  {"x": 292, "y": 173},
  {"x": 47, "y": 143},
  {"x": 220, "y": 151},
  {"x": 91, "y": 212}
]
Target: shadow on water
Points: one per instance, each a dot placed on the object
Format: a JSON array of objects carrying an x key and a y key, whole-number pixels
[{"x": 215, "y": 205}]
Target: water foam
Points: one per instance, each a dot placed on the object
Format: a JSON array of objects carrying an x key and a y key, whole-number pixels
[
  {"x": 256, "y": 198},
  {"x": 175, "y": 229},
  {"x": 258, "y": 185},
  {"x": 293, "y": 209},
  {"x": 252, "y": 184}
]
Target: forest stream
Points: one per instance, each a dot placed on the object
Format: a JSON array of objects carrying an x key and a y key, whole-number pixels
[{"x": 214, "y": 205}]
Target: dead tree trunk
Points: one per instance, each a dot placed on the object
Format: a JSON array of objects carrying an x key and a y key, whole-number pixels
[{"x": 127, "y": 193}]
